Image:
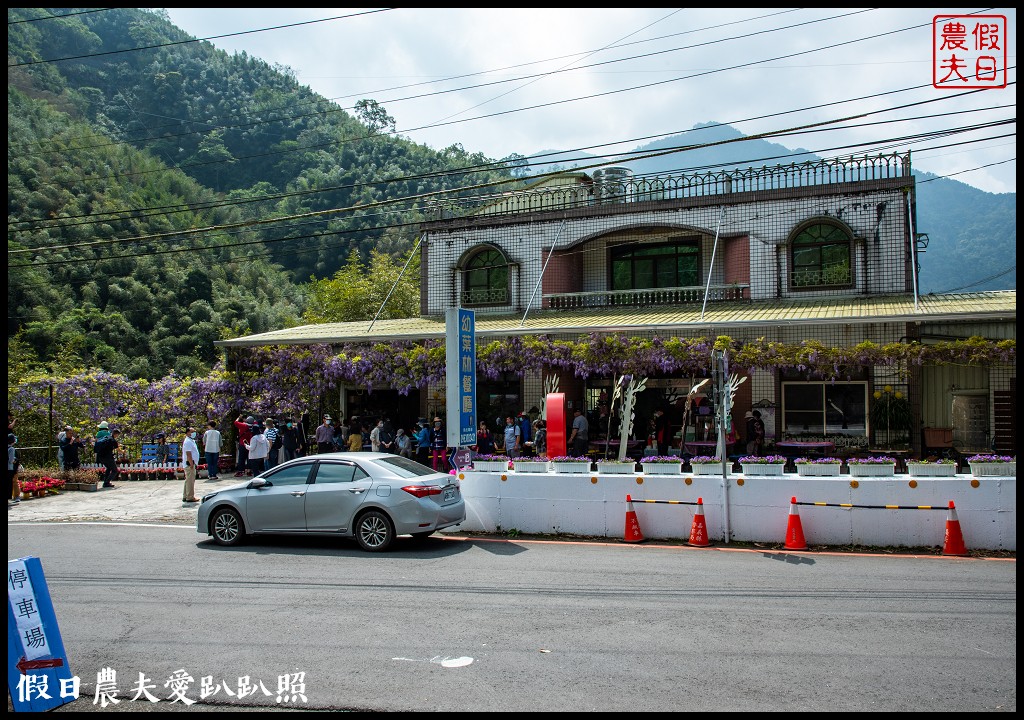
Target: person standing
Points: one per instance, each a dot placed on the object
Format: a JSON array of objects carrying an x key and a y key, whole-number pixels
[
  {"x": 162, "y": 454},
  {"x": 243, "y": 426},
  {"x": 661, "y": 429},
  {"x": 258, "y": 449},
  {"x": 387, "y": 437},
  {"x": 422, "y": 442},
  {"x": 355, "y": 437},
  {"x": 579, "y": 440},
  {"x": 290, "y": 440},
  {"x": 325, "y": 436},
  {"x": 438, "y": 445},
  {"x": 211, "y": 446},
  {"x": 106, "y": 454},
  {"x": 102, "y": 431},
  {"x": 375, "y": 436},
  {"x": 13, "y": 487},
  {"x": 274, "y": 440},
  {"x": 190, "y": 459},
  {"x": 484, "y": 439},
  {"x": 513, "y": 438},
  {"x": 540, "y": 438},
  {"x": 60, "y": 447},
  {"x": 72, "y": 446},
  {"x": 758, "y": 436}
]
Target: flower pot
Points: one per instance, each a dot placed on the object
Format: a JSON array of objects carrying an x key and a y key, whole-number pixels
[
  {"x": 616, "y": 468},
  {"x": 571, "y": 467},
  {"x": 931, "y": 470},
  {"x": 763, "y": 469},
  {"x": 530, "y": 466},
  {"x": 822, "y": 470},
  {"x": 873, "y": 470},
  {"x": 708, "y": 468},
  {"x": 984, "y": 469},
  {"x": 489, "y": 466},
  {"x": 662, "y": 468}
]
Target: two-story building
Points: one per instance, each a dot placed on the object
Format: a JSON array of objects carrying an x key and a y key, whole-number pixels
[{"x": 770, "y": 257}]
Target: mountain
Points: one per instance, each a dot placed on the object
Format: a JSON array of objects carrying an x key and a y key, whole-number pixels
[{"x": 968, "y": 229}]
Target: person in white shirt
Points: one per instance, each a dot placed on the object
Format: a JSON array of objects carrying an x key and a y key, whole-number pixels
[
  {"x": 190, "y": 459},
  {"x": 259, "y": 450},
  {"x": 211, "y": 446}
]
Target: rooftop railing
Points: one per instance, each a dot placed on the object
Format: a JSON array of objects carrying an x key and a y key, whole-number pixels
[{"x": 644, "y": 297}]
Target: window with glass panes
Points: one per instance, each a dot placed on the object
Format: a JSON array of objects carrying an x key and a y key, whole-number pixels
[
  {"x": 675, "y": 264},
  {"x": 485, "y": 279},
  {"x": 820, "y": 255}
]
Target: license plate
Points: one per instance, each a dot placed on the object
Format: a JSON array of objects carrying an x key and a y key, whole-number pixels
[{"x": 449, "y": 494}]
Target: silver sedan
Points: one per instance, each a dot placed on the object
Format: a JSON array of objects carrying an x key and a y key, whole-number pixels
[{"x": 372, "y": 497}]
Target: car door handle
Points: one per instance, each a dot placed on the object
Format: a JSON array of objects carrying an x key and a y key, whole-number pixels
[
  {"x": 298, "y": 493},
  {"x": 356, "y": 491}
]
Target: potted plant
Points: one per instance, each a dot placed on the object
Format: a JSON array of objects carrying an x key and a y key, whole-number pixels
[
  {"x": 763, "y": 464},
  {"x": 872, "y": 466},
  {"x": 706, "y": 465},
  {"x": 537, "y": 464},
  {"x": 570, "y": 464},
  {"x": 489, "y": 463},
  {"x": 943, "y": 467},
  {"x": 984, "y": 465},
  {"x": 612, "y": 466},
  {"x": 662, "y": 464},
  {"x": 818, "y": 467}
]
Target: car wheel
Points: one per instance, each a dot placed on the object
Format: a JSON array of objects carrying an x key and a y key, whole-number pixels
[
  {"x": 226, "y": 527},
  {"x": 422, "y": 535},
  {"x": 373, "y": 531}
]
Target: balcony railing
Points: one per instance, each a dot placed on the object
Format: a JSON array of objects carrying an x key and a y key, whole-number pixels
[
  {"x": 648, "y": 296},
  {"x": 485, "y": 296}
]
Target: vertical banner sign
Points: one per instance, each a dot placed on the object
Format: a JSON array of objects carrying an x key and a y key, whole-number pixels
[
  {"x": 38, "y": 676},
  {"x": 460, "y": 379}
]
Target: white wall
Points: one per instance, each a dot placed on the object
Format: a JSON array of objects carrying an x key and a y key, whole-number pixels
[{"x": 595, "y": 505}]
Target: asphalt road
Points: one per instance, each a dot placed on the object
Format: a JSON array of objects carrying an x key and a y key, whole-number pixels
[{"x": 458, "y": 624}]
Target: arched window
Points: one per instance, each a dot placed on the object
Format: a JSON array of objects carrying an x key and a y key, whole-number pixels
[
  {"x": 820, "y": 257},
  {"x": 485, "y": 278}
]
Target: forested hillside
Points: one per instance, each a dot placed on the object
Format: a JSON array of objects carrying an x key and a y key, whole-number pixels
[{"x": 113, "y": 156}]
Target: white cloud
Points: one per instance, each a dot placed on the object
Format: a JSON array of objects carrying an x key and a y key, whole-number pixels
[{"x": 365, "y": 56}]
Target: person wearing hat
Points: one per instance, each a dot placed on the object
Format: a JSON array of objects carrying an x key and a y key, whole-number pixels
[
  {"x": 755, "y": 432},
  {"x": 324, "y": 435},
  {"x": 102, "y": 430},
  {"x": 274, "y": 440},
  {"x": 71, "y": 446},
  {"x": 403, "y": 443},
  {"x": 243, "y": 426},
  {"x": 106, "y": 455},
  {"x": 162, "y": 454},
  {"x": 438, "y": 445}
]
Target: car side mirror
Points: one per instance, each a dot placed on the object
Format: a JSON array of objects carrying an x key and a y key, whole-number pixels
[{"x": 257, "y": 483}]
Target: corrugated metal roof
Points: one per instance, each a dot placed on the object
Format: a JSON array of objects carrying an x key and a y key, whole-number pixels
[{"x": 993, "y": 305}]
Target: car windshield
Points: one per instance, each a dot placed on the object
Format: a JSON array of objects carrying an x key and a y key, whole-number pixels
[{"x": 404, "y": 467}]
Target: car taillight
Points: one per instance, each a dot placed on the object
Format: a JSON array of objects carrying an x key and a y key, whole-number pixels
[{"x": 421, "y": 491}]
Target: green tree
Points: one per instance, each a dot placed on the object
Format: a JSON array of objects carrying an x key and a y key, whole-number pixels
[{"x": 356, "y": 292}]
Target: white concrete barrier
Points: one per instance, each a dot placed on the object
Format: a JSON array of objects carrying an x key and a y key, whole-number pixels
[{"x": 592, "y": 504}]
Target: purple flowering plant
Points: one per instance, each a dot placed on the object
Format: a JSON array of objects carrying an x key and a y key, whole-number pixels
[
  {"x": 491, "y": 458},
  {"x": 872, "y": 460},
  {"x": 818, "y": 461},
  {"x": 991, "y": 459},
  {"x": 940, "y": 461},
  {"x": 569, "y": 458},
  {"x": 762, "y": 460},
  {"x": 698, "y": 459},
  {"x": 661, "y": 459}
]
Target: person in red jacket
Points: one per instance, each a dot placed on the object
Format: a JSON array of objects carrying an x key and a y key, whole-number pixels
[{"x": 244, "y": 428}]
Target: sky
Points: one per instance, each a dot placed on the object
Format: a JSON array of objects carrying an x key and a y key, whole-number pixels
[{"x": 521, "y": 81}]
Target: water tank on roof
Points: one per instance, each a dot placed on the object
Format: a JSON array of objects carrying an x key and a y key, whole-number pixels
[{"x": 612, "y": 184}]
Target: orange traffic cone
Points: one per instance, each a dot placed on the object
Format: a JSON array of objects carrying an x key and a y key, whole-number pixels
[
  {"x": 794, "y": 530},
  {"x": 633, "y": 534},
  {"x": 699, "y": 529},
  {"x": 954, "y": 543}
]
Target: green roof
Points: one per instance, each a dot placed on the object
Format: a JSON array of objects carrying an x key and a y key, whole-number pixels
[{"x": 717, "y": 318}]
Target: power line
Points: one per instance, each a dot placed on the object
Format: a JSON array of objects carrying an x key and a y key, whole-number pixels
[
  {"x": 193, "y": 40},
  {"x": 58, "y": 17}
]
